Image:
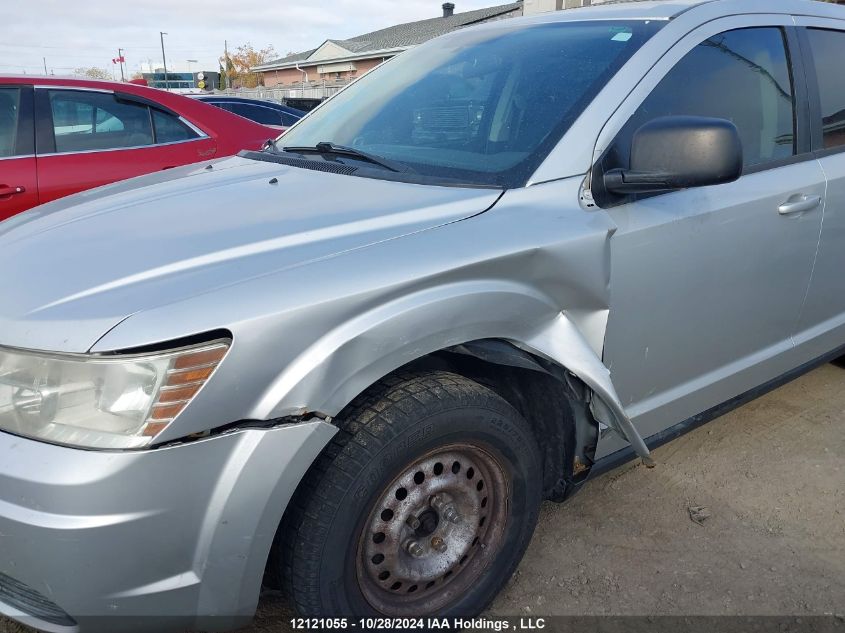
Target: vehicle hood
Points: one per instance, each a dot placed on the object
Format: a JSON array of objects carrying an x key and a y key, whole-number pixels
[{"x": 75, "y": 268}]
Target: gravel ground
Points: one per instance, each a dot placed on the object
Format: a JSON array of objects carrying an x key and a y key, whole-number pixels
[{"x": 767, "y": 485}]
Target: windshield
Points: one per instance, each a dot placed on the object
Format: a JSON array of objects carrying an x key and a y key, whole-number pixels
[{"x": 478, "y": 107}]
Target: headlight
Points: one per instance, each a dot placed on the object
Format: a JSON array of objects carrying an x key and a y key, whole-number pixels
[{"x": 104, "y": 402}]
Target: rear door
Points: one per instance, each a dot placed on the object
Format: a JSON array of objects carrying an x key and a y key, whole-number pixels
[
  {"x": 18, "y": 178},
  {"x": 88, "y": 138},
  {"x": 821, "y": 326}
]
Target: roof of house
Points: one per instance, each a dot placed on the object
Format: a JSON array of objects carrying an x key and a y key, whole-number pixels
[{"x": 401, "y": 36}]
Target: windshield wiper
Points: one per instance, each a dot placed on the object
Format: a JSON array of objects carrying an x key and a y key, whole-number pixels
[
  {"x": 270, "y": 144},
  {"x": 327, "y": 147}
]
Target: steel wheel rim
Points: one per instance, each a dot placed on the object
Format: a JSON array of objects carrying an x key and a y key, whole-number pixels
[{"x": 459, "y": 496}]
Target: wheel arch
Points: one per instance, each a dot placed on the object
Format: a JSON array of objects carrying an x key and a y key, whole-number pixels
[{"x": 553, "y": 377}]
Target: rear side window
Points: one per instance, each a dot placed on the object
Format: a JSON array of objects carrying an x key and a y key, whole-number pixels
[
  {"x": 10, "y": 103},
  {"x": 86, "y": 121},
  {"x": 288, "y": 119},
  {"x": 827, "y": 47},
  {"x": 743, "y": 76},
  {"x": 259, "y": 114},
  {"x": 169, "y": 129}
]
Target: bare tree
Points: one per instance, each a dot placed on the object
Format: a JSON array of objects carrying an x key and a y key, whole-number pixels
[{"x": 92, "y": 73}]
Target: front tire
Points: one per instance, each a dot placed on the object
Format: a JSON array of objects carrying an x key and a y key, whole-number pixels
[{"x": 423, "y": 503}]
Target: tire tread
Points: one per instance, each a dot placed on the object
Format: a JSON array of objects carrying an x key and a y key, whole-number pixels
[{"x": 364, "y": 427}]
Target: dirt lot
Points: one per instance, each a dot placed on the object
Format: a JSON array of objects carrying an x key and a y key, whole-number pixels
[{"x": 771, "y": 476}]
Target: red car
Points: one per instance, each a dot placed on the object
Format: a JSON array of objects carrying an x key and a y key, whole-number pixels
[{"x": 59, "y": 136}]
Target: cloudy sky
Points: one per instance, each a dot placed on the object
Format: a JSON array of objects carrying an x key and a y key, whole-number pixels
[{"x": 84, "y": 33}]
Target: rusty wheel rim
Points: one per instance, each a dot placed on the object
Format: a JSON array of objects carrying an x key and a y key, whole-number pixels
[{"x": 433, "y": 531}]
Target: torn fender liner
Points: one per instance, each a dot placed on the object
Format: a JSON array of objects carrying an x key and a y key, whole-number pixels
[{"x": 564, "y": 346}]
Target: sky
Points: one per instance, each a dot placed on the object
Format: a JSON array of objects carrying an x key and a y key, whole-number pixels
[{"x": 82, "y": 33}]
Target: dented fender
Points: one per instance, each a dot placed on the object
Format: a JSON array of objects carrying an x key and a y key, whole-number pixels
[
  {"x": 532, "y": 269},
  {"x": 545, "y": 291}
]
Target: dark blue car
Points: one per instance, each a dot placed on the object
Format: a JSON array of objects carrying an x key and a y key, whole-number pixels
[{"x": 264, "y": 112}]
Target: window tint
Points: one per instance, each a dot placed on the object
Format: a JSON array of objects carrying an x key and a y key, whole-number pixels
[
  {"x": 259, "y": 114},
  {"x": 10, "y": 102},
  {"x": 742, "y": 76},
  {"x": 84, "y": 121},
  {"x": 826, "y": 47},
  {"x": 169, "y": 129}
]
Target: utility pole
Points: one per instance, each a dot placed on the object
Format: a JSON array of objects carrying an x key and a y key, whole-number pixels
[
  {"x": 44, "y": 59},
  {"x": 164, "y": 61},
  {"x": 226, "y": 65},
  {"x": 120, "y": 61}
]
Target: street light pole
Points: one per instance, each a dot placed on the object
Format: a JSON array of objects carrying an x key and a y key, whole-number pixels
[
  {"x": 164, "y": 61},
  {"x": 226, "y": 66}
]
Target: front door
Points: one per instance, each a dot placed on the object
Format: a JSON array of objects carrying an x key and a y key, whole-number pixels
[{"x": 707, "y": 283}]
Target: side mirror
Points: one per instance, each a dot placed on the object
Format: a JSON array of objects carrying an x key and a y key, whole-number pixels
[{"x": 679, "y": 152}]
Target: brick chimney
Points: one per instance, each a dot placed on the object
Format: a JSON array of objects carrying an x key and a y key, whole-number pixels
[{"x": 448, "y": 9}]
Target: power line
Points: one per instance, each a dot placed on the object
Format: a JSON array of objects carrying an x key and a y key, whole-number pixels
[{"x": 140, "y": 47}]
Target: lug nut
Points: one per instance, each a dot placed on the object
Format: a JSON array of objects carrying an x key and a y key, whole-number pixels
[
  {"x": 438, "y": 544},
  {"x": 445, "y": 509},
  {"x": 413, "y": 522},
  {"x": 414, "y": 549}
]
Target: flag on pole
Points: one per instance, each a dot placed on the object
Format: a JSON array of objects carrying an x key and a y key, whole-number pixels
[{"x": 118, "y": 60}]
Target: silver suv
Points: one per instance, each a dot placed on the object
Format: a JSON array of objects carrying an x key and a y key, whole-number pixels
[{"x": 353, "y": 364}]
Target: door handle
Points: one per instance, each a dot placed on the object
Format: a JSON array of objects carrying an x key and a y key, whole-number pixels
[
  {"x": 799, "y": 203},
  {"x": 7, "y": 192}
]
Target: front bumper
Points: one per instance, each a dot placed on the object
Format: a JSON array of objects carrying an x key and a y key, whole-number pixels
[{"x": 176, "y": 537}]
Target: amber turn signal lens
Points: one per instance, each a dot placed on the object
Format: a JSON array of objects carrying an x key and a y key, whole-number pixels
[
  {"x": 188, "y": 376},
  {"x": 154, "y": 428},
  {"x": 177, "y": 394},
  {"x": 167, "y": 411},
  {"x": 202, "y": 357}
]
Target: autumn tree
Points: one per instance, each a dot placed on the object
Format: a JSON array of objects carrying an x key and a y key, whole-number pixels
[
  {"x": 92, "y": 73},
  {"x": 239, "y": 65}
]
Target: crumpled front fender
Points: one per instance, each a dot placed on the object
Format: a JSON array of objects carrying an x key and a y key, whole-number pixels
[{"x": 562, "y": 343}]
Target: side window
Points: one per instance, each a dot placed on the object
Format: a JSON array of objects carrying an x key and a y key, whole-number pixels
[
  {"x": 10, "y": 103},
  {"x": 740, "y": 75},
  {"x": 169, "y": 129},
  {"x": 85, "y": 121},
  {"x": 265, "y": 116},
  {"x": 288, "y": 119},
  {"x": 826, "y": 46}
]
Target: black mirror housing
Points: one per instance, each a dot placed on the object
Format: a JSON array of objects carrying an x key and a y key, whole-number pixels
[{"x": 679, "y": 152}]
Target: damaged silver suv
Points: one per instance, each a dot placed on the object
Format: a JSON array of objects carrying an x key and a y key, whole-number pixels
[{"x": 353, "y": 364}]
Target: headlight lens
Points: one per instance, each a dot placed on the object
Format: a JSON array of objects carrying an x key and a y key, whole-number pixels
[{"x": 106, "y": 402}]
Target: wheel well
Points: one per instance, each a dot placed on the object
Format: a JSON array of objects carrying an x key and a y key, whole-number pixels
[{"x": 553, "y": 400}]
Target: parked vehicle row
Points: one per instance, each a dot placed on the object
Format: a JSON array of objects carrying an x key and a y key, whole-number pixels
[
  {"x": 506, "y": 260},
  {"x": 62, "y": 136}
]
